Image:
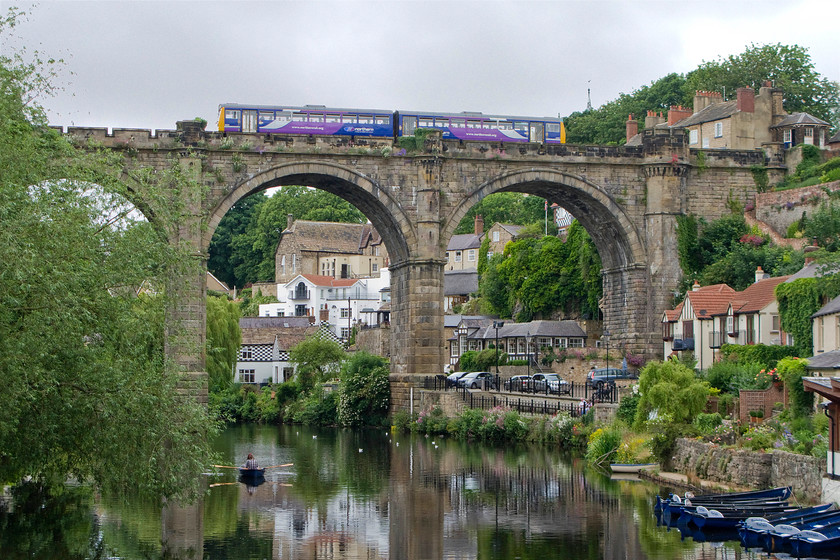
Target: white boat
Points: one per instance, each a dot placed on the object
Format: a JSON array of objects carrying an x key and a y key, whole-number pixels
[{"x": 630, "y": 467}]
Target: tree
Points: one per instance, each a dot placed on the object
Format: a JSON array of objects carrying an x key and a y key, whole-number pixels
[
  {"x": 365, "y": 392},
  {"x": 223, "y": 341},
  {"x": 316, "y": 358},
  {"x": 672, "y": 391},
  {"x": 504, "y": 208},
  {"x": 223, "y": 259},
  {"x": 788, "y": 67},
  {"x": 86, "y": 390}
]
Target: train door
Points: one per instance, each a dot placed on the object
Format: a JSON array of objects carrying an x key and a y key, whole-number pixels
[
  {"x": 537, "y": 132},
  {"x": 408, "y": 125},
  {"x": 249, "y": 121}
]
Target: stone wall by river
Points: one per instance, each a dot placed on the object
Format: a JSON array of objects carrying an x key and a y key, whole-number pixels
[{"x": 750, "y": 469}]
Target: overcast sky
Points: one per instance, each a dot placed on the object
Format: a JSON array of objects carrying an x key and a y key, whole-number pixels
[{"x": 150, "y": 64}]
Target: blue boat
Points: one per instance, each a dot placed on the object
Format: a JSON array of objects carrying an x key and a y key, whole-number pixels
[
  {"x": 810, "y": 542},
  {"x": 251, "y": 474}
]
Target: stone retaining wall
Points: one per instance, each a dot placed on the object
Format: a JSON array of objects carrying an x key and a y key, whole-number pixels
[{"x": 750, "y": 469}]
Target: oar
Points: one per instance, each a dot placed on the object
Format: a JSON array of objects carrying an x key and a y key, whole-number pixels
[
  {"x": 223, "y": 484},
  {"x": 224, "y": 467},
  {"x": 278, "y": 466}
]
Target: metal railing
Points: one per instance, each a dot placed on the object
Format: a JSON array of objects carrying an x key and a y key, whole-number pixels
[{"x": 606, "y": 392}]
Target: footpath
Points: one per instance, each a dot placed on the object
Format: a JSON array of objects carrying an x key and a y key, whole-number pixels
[{"x": 682, "y": 481}]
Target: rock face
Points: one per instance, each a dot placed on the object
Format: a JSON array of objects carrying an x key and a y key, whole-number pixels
[{"x": 748, "y": 468}]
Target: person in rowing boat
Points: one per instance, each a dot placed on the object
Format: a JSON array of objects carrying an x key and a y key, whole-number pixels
[{"x": 251, "y": 463}]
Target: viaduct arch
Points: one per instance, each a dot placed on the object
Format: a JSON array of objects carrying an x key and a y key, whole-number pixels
[{"x": 627, "y": 198}]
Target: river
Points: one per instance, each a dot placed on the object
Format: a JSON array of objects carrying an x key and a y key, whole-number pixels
[{"x": 370, "y": 494}]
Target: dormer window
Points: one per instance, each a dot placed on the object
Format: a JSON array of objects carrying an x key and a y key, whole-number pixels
[{"x": 730, "y": 324}]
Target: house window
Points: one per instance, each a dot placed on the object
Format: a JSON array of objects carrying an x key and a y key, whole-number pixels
[
  {"x": 575, "y": 343},
  {"x": 809, "y": 132},
  {"x": 730, "y": 324},
  {"x": 718, "y": 129},
  {"x": 559, "y": 342},
  {"x": 705, "y": 142},
  {"x": 247, "y": 354},
  {"x": 544, "y": 342},
  {"x": 374, "y": 267},
  {"x": 288, "y": 373},
  {"x": 786, "y": 136},
  {"x": 692, "y": 136},
  {"x": 471, "y": 255},
  {"x": 345, "y": 332},
  {"x": 495, "y": 237},
  {"x": 246, "y": 376},
  {"x": 751, "y": 329},
  {"x": 457, "y": 256},
  {"x": 688, "y": 329},
  {"x": 300, "y": 310},
  {"x": 774, "y": 324},
  {"x": 283, "y": 264},
  {"x": 453, "y": 349},
  {"x": 345, "y": 312}
]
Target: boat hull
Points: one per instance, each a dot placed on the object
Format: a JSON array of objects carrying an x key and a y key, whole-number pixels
[{"x": 631, "y": 468}]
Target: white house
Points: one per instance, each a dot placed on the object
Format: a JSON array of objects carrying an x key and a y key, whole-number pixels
[{"x": 338, "y": 303}]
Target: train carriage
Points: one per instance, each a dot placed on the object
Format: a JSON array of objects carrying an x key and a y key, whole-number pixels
[
  {"x": 307, "y": 119},
  {"x": 481, "y": 127}
]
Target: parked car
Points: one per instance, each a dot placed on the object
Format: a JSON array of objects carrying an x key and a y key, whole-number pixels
[
  {"x": 452, "y": 378},
  {"x": 551, "y": 383},
  {"x": 607, "y": 375},
  {"x": 520, "y": 383},
  {"x": 478, "y": 380}
]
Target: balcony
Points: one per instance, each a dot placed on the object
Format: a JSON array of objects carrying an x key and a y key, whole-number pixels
[{"x": 299, "y": 294}]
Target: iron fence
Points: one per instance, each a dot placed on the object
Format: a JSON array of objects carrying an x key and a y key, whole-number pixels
[{"x": 605, "y": 392}]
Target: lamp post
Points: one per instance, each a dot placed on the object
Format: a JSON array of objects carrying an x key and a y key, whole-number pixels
[
  {"x": 606, "y": 337},
  {"x": 497, "y": 325},
  {"x": 528, "y": 350}
]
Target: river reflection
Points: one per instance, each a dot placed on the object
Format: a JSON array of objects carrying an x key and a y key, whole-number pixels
[{"x": 371, "y": 494}]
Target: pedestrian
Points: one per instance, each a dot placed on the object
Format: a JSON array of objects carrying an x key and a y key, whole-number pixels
[{"x": 583, "y": 406}]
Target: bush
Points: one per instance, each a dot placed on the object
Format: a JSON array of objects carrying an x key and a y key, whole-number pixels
[
  {"x": 706, "y": 423},
  {"x": 792, "y": 370},
  {"x": 665, "y": 438},
  {"x": 603, "y": 445},
  {"x": 765, "y": 354},
  {"x": 365, "y": 393},
  {"x": 316, "y": 409},
  {"x": 626, "y": 411}
]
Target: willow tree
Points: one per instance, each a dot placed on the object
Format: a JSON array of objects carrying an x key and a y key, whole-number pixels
[{"x": 83, "y": 379}]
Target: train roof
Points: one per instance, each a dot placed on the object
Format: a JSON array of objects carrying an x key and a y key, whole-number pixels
[
  {"x": 475, "y": 114},
  {"x": 304, "y": 108}
]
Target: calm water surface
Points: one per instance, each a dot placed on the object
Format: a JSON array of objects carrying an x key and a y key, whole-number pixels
[{"x": 370, "y": 495}]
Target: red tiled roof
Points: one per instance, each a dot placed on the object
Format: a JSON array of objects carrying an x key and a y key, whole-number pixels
[
  {"x": 671, "y": 315},
  {"x": 710, "y": 300},
  {"x": 758, "y": 295}
]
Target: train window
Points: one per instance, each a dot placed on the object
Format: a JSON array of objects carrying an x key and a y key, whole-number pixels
[
  {"x": 504, "y": 125},
  {"x": 444, "y": 123},
  {"x": 473, "y": 124},
  {"x": 299, "y": 117},
  {"x": 408, "y": 126},
  {"x": 315, "y": 117},
  {"x": 365, "y": 119},
  {"x": 426, "y": 122},
  {"x": 382, "y": 119},
  {"x": 458, "y": 123},
  {"x": 333, "y": 118},
  {"x": 266, "y": 116},
  {"x": 230, "y": 114},
  {"x": 348, "y": 118},
  {"x": 552, "y": 127},
  {"x": 519, "y": 125},
  {"x": 284, "y": 115}
]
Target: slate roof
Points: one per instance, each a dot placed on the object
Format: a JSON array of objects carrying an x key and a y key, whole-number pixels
[
  {"x": 331, "y": 237},
  {"x": 835, "y": 138},
  {"x": 800, "y": 119},
  {"x": 829, "y": 308},
  {"x": 464, "y": 241},
  {"x": 482, "y": 328},
  {"x": 713, "y": 112},
  {"x": 812, "y": 270},
  {"x": 825, "y": 360},
  {"x": 272, "y": 322},
  {"x": 460, "y": 282},
  {"x": 512, "y": 229},
  {"x": 452, "y": 321}
]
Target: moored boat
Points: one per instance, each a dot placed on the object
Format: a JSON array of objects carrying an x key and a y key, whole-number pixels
[{"x": 633, "y": 468}]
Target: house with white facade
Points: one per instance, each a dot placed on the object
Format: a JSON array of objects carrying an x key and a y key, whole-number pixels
[
  {"x": 264, "y": 352},
  {"x": 711, "y": 316},
  {"x": 339, "y": 303}
]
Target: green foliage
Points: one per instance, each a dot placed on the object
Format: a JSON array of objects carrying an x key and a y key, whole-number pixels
[
  {"x": 670, "y": 390},
  {"x": 798, "y": 300},
  {"x": 823, "y": 226},
  {"x": 760, "y": 177},
  {"x": 665, "y": 436},
  {"x": 467, "y": 361},
  {"x": 688, "y": 247},
  {"x": 764, "y": 355},
  {"x": 603, "y": 446},
  {"x": 706, "y": 423},
  {"x": 365, "y": 393},
  {"x": 250, "y": 305},
  {"x": 316, "y": 358},
  {"x": 505, "y": 208},
  {"x": 318, "y": 408},
  {"x": 627, "y": 406},
  {"x": 223, "y": 341},
  {"x": 731, "y": 377},
  {"x": 792, "y": 370},
  {"x": 759, "y": 438},
  {"x": 789, "y": 67},
  {"x": 223, "y": 259},
  {"x": 536, "y": 277},
  {"x": 86, "y": 392}
]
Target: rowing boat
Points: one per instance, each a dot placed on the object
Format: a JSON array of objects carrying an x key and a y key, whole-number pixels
[{"x": 251, "y": 474}]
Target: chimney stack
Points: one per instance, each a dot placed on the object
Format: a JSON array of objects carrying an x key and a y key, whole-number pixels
[
  {"x": 746, "y": 100},
  {"x": 631, "y": 127},
  {"x": 696, "y": 286},
  {"x": 290, "y": 219},
  {"x": 479, "y": 224},
  {"x": 760, "y": 274},
  {"x": 807, "y": 250},
  {"x": 677, "y": 113},
  {"x": 703, "y": 99},
  {"x": 653, "y": 119}
]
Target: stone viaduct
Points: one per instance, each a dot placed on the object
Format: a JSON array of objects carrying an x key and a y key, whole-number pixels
[{"x": 627, "y": 198}]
